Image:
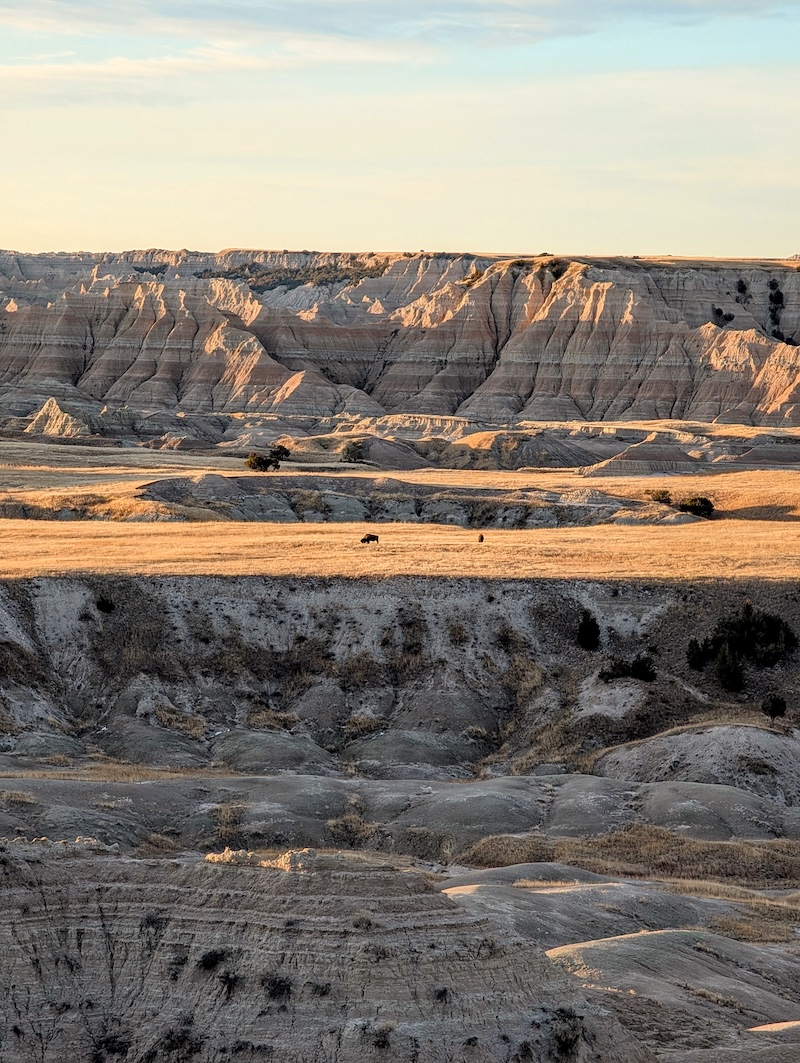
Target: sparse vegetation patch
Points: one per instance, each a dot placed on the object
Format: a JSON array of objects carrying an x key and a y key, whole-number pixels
[
  {"x": 262, "y": 279},
  {"x": 762, "y": 638}
]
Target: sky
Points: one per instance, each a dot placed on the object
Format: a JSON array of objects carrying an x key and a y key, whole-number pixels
[{"x": 516, "y": 126}]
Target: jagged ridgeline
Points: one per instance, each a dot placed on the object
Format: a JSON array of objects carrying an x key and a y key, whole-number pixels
[{"x": 492, "y": 340}]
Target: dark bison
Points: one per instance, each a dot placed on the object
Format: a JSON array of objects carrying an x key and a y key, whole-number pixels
[
  {"x": 480, "y": 538},
  {"x": 370, "y": 538}
]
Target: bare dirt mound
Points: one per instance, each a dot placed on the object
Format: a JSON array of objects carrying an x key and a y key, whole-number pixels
[
  {"x": 761, "y": 761},
  {"x": 686, "y": 990}
]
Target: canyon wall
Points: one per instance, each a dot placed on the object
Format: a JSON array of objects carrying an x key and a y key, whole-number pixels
[{"x": 314, "y": 336}]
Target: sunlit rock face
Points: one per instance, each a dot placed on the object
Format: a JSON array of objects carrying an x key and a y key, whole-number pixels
[{"x": 323, "y": 335}]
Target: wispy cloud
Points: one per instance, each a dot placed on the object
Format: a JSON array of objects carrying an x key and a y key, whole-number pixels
[
  {"x": 366, "y": 19},
  {"x": 141, "y": 43}
]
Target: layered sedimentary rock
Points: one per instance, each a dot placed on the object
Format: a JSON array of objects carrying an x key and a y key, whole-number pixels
[
  {"x": 311, "y": 336},
  {"x": 312, "y": 959}
]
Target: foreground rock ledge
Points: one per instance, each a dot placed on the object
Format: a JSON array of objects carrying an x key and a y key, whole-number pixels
[{"x": 315, "y": 958}]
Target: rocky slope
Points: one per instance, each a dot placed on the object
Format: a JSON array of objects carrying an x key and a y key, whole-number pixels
[
  {"x": 444, "y": 721},
  {"x": 313, "y": 958},
  {"x": 301, "y": 337},
  {"x": 385, "y": 693}
]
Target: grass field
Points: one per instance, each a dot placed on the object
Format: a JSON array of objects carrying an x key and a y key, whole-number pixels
[{"x": 724, "y": 549}]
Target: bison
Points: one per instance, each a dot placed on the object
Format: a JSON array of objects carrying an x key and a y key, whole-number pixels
[{"x": 370, "y": 538}]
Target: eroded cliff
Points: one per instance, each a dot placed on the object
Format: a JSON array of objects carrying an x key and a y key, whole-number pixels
[
  {"x": 315, "y": 336},
  {"x": 322, "y": 959}
]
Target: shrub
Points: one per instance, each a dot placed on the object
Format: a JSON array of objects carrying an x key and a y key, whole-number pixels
[
  {"x": 265, "y": 462},
  {"x": 509, "y": 639},
  {"x": 567, "y": 1029},
  {"x": 210, "y": 960},
  {"x": 695, "y": 655},
  {"x": 353, "y": 451},
  {"x": 773, "y": 706},
  {"x": 728, "y": 669},
  {"x": 360, "y": 670},
  {"x": 276, "y": 986},
  {"x": 350, "y": 831},
  {"x": 473, "y": 277},
  {"x": 660, "y": 495},
  {"x": 522, "y": 678},
  {"x": 311, "y": 502},
  {"x": 588, "y": 631},
  {"x": 229, "y": 981},
  {"x": 641, "y": 667},
  {"x": 698, "y": 505}
]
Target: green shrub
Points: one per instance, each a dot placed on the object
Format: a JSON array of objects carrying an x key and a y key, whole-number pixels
[
  {"x": 773, "y": 706},
  {"x": 588, "y": 631},
  {"x": 353, "y": 451},
  {"x": 695, "y": 655},
  {"x": 265, "y": 462},
  {"x": 699, "y": 505},
  {"x": 728, "y": 669},
  {"x": 763, "y": 638},
  {"x": 276, "y": 986}
]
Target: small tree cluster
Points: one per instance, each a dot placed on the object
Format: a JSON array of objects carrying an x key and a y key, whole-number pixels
[
  {"x": 271, "y": 460},
  {"x": 353, "y": 451},
  {"x": 698, "y": 505},
  {"x": 763, "y": 638}
]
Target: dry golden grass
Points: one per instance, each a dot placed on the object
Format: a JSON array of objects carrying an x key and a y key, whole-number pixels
[
  {"x": 229, "y": 816},
  {"x": 269, "y": 720},
  {"x": 544, "y": 883},
  {"x": 725, "y": 549},
  {"x": 179, "y": 721},
  {"x": 359, "y": 726},
  {"x": 117, "y": 772},
  {"x": 645, "y": 851},
  {"x": 17, "y": 797},
  {"x": 760, "y": 540},
  {"x": 760, "y": 918},
  {"x": 157, "y": 845}
]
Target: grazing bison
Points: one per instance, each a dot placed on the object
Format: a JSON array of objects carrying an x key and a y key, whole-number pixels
[{"x": 370, "y": 538}]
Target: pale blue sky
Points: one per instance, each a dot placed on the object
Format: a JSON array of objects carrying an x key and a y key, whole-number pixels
[{"x": 595, "y": 126}]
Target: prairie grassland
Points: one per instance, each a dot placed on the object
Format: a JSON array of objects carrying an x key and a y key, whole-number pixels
[{"x": 730, "y": 549}]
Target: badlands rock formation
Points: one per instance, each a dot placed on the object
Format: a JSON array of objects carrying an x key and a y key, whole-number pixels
[
  {"x": 338, "y": 712},
  {"x": 301, "y": 337},
  {"x": 312, "y": 959}
]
